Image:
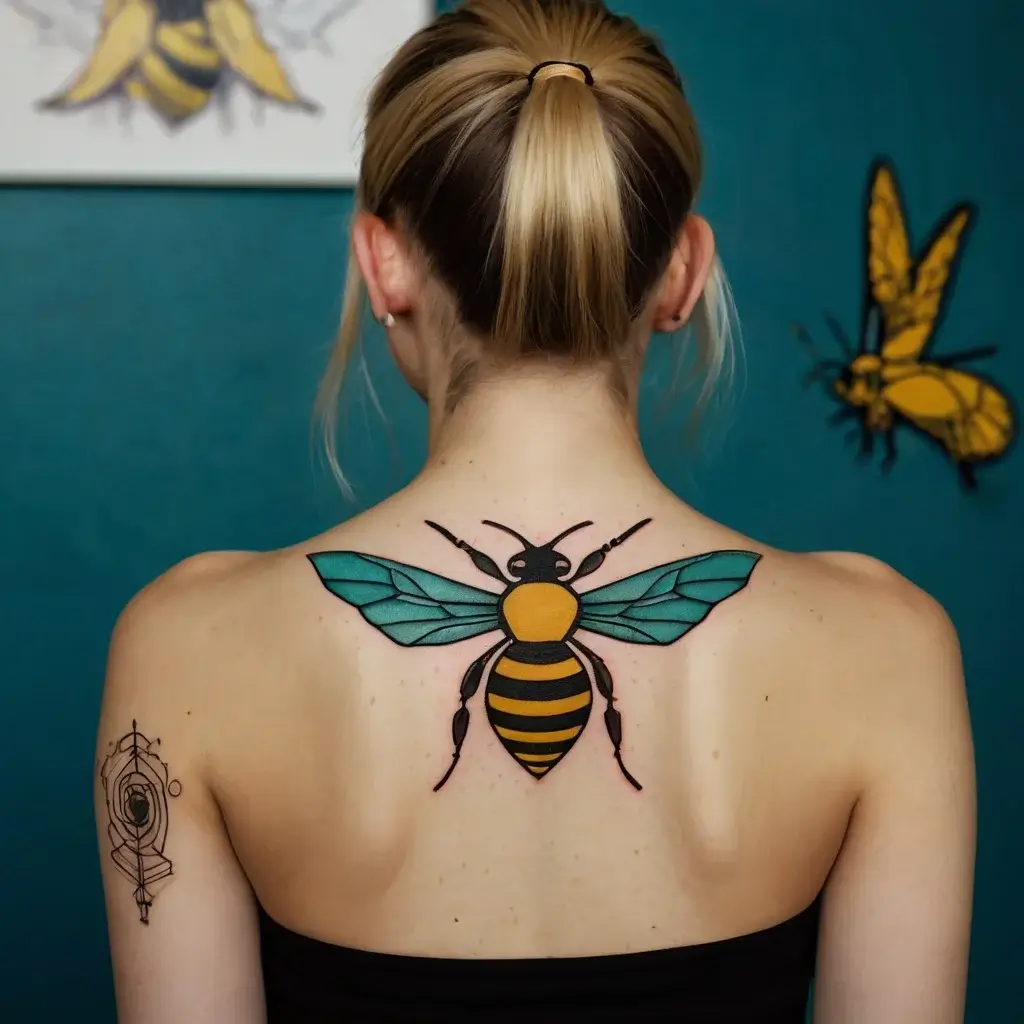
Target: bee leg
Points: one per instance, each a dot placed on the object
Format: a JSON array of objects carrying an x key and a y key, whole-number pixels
[
  {"x": 836, "y": 329},
  {"x": 823, "y": 370},
  {"x": 867, "y": 443},
  {"x": 842, "y": 415},
  {"x": 224, "y": 111},
  {"x": 460, "y": 720},
  {"x": 968, "y": 480},
  {"x": 890, "y": 451},
  {"x": 612, "y": 718}
]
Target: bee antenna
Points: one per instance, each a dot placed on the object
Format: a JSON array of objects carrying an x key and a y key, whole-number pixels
[
  {"x": 565, "y": 533},
  {"x": 842, "y": 340},
  {"x": 508, "y": 530},
  {"x": 871, "y": 329}
]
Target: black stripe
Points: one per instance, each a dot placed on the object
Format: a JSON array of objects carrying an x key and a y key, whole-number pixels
[
  {"x": 519, "y": 747},
  {"x": 539, "y": 689},
  {"x": 539, "y": 723},
  {"x": 547, "y": 652},
  {"x": 177, "y": 11},
  {"x": 200, "y": 78}
]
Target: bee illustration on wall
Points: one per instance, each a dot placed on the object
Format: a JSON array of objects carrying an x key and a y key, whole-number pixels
[
  {"x": 891, "y": 379},
  {"x": 175, "y": 56},
  {"x": 538, "y": 691}
]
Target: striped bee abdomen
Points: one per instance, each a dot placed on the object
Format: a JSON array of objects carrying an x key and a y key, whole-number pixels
[
  {"x": 538, "y": 702},
  {"x": 180, "y": 71}
]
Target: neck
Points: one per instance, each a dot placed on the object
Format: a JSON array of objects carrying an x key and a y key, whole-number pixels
[{"x": 537, "y": 427}]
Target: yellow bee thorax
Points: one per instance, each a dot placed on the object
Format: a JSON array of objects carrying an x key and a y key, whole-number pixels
[
  {"x": 866, "y": 364},
  {"x": 538, "y": 612},
  {"x": 900, "y": 370}
]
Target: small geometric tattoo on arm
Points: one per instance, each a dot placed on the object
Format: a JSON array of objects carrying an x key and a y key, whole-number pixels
[{"x": 137, "y": 785}]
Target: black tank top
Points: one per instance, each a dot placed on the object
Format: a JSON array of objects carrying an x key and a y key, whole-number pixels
[{"x": 760, "y": 978}]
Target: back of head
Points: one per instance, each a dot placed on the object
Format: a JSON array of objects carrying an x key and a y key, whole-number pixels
[{"x": 541, "y": 159}]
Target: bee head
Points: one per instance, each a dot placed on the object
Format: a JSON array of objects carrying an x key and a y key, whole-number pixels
[
  {"x": 537, "y": 564},
  {"x": 861, "y": 382}
]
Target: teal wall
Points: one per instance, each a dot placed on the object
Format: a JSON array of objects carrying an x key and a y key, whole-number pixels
[{"x": 159, "y": 353}]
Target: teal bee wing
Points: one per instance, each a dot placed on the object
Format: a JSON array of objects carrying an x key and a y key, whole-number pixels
[
  {"x": 662, "y": 604},
  {"x": 411, "y": 606}
]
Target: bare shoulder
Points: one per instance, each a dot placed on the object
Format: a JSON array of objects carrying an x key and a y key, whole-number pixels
[
  {"x": 189, "y": 643},
  {"x": 892, "y": 644},
  {"x": 217, "y": 617},
  {"x": 853, "y": 593},
  {"x": 861, "y": 634},
  {"x": 187, "y": 603},
  {"x": 839, "y": 614},
  {"x": 863, "y": 656},
  {"x": 896, "y": 607}
]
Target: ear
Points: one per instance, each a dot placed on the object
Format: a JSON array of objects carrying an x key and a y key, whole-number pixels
[
  {"x": 687, "y": 274},
  {"x": 385, "y": 264}
]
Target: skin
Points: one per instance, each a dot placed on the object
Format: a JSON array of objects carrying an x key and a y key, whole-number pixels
[{"x": 812, "y": 733}]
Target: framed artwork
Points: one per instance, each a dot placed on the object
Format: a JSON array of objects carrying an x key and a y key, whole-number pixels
[{"x": 203, "y": 92}]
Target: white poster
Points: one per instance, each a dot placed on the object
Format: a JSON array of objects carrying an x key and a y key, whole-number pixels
[{"x": 217, "y": 92}]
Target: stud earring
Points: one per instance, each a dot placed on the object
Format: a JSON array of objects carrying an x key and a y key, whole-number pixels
[{"x": 387, "y": 320}]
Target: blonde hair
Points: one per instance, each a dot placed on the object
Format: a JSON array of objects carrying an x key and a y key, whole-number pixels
[{"x": 544, "y": 208}]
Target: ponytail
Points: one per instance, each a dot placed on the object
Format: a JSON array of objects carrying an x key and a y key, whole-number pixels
[{"x": 563, "y": 283}]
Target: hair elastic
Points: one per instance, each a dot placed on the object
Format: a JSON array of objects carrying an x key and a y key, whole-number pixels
[{"x": 580, "y": 71}]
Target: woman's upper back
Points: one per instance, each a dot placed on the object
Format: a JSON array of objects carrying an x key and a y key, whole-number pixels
[
  {"x": 743, "y": 734},
  {"x": 314, "y": 742}
]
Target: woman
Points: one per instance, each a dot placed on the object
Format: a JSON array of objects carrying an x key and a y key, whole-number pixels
[{"x": 533, "y": 739}]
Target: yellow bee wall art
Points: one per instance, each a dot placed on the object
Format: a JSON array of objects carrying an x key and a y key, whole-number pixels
[
  {"x": 175, "y": 56},
  {"x": 892, "y": 379}
]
